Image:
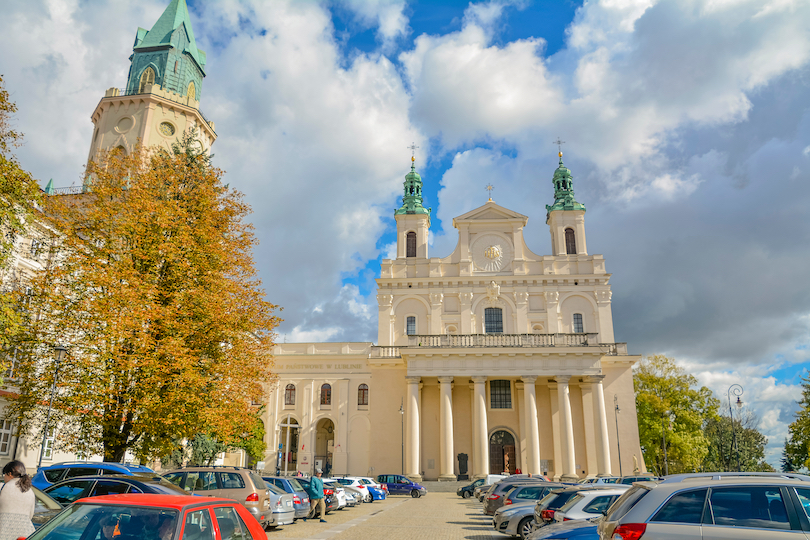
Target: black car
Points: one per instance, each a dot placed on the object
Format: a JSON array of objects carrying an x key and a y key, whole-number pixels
[
  {"x": 68, "y": 491},
  {"x": 467, "y": 491}
]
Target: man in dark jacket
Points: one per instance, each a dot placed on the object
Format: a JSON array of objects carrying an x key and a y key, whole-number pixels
[{"x": 315, "y": 491}]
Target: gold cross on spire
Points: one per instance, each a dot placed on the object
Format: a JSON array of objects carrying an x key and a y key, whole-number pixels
[
  {"x": 489, "y": 188},
  {"x": 559, "y": 144},
  {"x": 413, "y": 148}
]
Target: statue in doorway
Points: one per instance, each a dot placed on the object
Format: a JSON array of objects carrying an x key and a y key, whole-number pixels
[{"x": 506, "y": 463}]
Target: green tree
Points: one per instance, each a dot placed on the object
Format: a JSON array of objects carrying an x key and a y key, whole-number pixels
[
  {"x": 722, "y": 455},
  {"x": 155, "y": 296},
  {"x": 797, "y": 450},
  {"x": 671, "y": 407},
  {"x": 19, "y": 193}
]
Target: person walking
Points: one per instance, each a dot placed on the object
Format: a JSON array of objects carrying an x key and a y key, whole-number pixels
[
  {"x": 315, "y": 491},
  {"x": 17, "y": 502}
]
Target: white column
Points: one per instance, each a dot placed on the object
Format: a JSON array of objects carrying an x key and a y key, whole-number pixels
[
  {"x": 481, "y": 442},
  {"x": 601, "y": 428},
  {"x": 412, "y": 430},
  {"x": 446, "y": 469},
  {"x": 532, "y": 429},
  {"x": 567, "y": 430}
]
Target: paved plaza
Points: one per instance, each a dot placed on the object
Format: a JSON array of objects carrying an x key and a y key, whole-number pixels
[{"x": 437, "y": 516}]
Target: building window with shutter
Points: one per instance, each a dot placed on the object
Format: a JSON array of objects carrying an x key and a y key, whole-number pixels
[
  {"x": 493, "y": 320},
  {"x": 326, "y": 394},
  {"x": 410, "y": 244},
  {"x": 500, "y": 394},
  {"x": 410, "y": 326},
  {"x": 289, "y": 395},
  {"x": 578, "y": 327},
  {"x": 362, "y": 395},
  {"x": 570, "y": 242},
  {"x": 6, "y": 433}
]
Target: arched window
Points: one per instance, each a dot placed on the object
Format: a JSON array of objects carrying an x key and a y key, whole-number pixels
[
  {"x": 500, "y": 394},
  {"x": 289, "y": 395},
  {"x": 192, "y": 90},
  {"x": 362, "y": 394},
  {"x": 147, "y": 77},
  {"x": 578, "y": 327},
  {"x": 410, "y": 244},
  {"x": 493, "y": 320},
  {"x": 570, "y": 242},
  {"x": 326, "y": 394},
  {"x": 410, "y": 326}
]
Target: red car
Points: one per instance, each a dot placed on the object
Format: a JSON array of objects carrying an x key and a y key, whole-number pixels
[{"x": 134, "y": 516}]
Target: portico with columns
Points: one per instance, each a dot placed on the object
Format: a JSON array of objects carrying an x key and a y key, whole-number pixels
[{"x": 492, "y": 357}]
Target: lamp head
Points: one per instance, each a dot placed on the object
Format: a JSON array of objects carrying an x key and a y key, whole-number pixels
[
  {"x": 739, "y": 403},
  {"x": 60, "y": 353}
]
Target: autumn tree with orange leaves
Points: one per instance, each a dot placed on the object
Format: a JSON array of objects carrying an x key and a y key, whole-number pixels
[{"x": 154, "y": 294}]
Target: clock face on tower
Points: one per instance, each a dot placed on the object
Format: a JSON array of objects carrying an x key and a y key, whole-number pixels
[{"x": 491, "y": 253}]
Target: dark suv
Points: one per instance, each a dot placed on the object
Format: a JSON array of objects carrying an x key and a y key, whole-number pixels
[{"x": 52, "y": 474}]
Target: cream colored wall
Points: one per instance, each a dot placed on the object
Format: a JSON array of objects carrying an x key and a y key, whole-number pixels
[
  {"x": 619, "y": 381},
  {"x": 386, "y": 442},
  {"x": 430, "y": 429}
]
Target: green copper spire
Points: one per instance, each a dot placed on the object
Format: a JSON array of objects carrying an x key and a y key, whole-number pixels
[
  {"x": 564, "y": 190},
  {"x": 170, "y": 50},
  {"x": 412, "y": 201}
]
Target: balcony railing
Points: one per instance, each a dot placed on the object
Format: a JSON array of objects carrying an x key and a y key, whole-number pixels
[{"x": 501, "y": 340}]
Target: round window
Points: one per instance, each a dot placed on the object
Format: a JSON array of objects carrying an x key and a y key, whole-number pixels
[{"x": 166, "y": 129}]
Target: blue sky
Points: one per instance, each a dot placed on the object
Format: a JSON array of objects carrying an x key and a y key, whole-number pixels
[{"x": 687, "y": 129}]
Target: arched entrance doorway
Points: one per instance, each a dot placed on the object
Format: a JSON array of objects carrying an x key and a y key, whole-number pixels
[
  {"x": 324, "y": 445},
  {"x": 288, "y": 446},
  {"x": 502, "y": 458}
]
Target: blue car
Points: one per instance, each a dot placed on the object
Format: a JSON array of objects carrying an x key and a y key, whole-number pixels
[
  {"x": 401, "y": 485},
  {"x": 376, "y": 493},
  {"x": 47, "y": 476}
]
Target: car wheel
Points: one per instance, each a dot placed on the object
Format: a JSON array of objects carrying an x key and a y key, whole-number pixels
[
  {"x": 466, "y": 495},
  {"x": 525, "y": 527},
  {"x": 415, "y": 493}
]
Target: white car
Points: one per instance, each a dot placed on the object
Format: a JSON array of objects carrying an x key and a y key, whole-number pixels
[
  {"x": 357, "y": 484},
  {"x": 339, "y": 492},
  {"x": 588, "y": 504}
]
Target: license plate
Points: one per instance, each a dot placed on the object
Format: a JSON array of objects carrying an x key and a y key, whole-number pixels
[{"x": 289, "y": 503}]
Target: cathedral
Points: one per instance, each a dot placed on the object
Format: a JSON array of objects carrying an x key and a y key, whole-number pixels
[{"x": 490, "y": 359}]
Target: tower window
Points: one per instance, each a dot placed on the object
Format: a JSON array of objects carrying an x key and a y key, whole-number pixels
[
  {"x": 326, "y": 394},
  {"x": 500, "y": 394},
  {"x": 570, "y": 242},
  {"x": 362, "y": 394},
  {"x": 192, "y": 90},
  {"x": 289, "y": 395},
  {"x": 410, "y": 244},
  {"x": 147, "y": 77},
  {"x": 578, "y": 327},
  {"x": 493, "y": 320},
  {"x": 410, "y": 326}
]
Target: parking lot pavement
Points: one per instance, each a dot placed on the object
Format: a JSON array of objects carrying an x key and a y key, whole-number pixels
[{"x": 437, "y": 516}]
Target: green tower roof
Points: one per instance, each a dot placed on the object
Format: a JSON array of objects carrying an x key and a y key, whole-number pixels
[
  {"x": 175, "y": 15},
  {"x": 564, "y": 190},
  {"x": 412, "y": 200}
]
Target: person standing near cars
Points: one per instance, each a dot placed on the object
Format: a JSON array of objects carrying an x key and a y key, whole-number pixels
[
  {"x": 17, "y": 502},
  {"x": 315, "y": 491}
]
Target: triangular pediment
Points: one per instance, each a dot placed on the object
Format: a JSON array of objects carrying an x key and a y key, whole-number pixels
[{"x": 490, "y": 212}]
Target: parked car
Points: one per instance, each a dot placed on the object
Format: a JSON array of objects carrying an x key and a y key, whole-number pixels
[
  {"x": 359, "y": 496},
  {"x": 52, "y": 474},
  {"x": 69, "y": 491},
  {"x": 396, "y": 484},
  {"x": 497, "y": 493},
  {"x": 637, "y": 478},
  {"x": 481, "y": 491},
  {"x": 600, "y": 480},
  {"x": 132, "y": 515},
  {"x": 293, "y": 486},
  {"x": 46, "y": 508},
  {"x": 712, "y": 505},
  {"x": 576, "y": 529},
  {"x": 282, "y": 508},
  {"x": 236, "y": 483},
  {"x": 339, "y": 492},
  {"x": 517, "y": 516},
  {"x": 357, "y": 483},
  {"x": 467, "y": 491},
  {"x": 377, "y": 494},
  {"x": 589, "y": 503},
  {"x": 546, "y": 507}
]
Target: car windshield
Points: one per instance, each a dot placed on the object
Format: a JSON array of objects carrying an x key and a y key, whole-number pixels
[
  {"x": 103, "y": 521},
  {"x": 571, "y": 502}
]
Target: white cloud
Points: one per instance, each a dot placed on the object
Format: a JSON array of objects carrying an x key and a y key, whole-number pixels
[{"x": 386, "y": 15}]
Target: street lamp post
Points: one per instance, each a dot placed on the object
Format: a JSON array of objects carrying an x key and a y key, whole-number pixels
[
  {"x": 402, "y": 437},
  {"x": 669, "y": 416},
  {"x": 737, "y": 390},
  {"x": 616, "y": 412},
  {"x": 60, "y": 354}
]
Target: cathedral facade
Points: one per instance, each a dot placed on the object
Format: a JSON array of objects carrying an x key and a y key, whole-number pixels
[{"x": 492, "y": 359}]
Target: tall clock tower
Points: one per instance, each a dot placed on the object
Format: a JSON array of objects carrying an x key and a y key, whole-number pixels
[{"x": 161, "y": 99}]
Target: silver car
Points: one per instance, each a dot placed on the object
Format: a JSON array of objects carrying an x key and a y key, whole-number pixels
[
  {"x": 713, "y": 506},
  {"x": 282, "y": 511},
  {"x": 516, "y": 517},
  {"x": 589, "y": 503}
]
